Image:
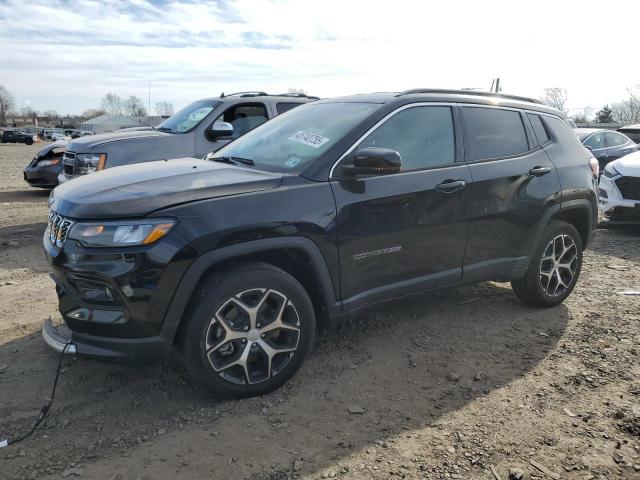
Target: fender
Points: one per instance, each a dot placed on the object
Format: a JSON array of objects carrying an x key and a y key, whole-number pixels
[{"x": 194, "y": 273}]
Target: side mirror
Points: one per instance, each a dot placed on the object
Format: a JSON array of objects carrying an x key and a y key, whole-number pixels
[
  {"x": 374, "y": 161},
  {"x": 219, "y": 130},
  {"x": 588, "y": 147}
]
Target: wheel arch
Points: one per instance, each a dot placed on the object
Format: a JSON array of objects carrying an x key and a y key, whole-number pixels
[
  {"x": 578, "y": 213},
  {"x": 298, "y": 256}
]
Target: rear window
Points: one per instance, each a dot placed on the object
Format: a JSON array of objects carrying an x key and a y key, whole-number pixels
[
  {"x": 285, "y": 107},
  {"x": 538, "y": 128},
  {"x": 494, "y": 133}
]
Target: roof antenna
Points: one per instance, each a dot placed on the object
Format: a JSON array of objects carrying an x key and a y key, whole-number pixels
[{"x": 222, "y": 95}]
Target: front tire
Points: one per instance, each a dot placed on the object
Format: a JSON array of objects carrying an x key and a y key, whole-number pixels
[
  {"x": 554, "y": 269},
  {"x": 250, "y": 330}
]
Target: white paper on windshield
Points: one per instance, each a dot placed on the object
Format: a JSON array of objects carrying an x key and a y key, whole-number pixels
[{"x": 310, "y": 139}]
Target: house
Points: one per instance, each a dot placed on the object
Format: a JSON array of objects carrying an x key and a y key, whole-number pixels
[{"x": 108, "y": 123}]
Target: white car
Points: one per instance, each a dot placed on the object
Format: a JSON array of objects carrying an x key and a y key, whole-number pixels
[
  {"x": 620, "y": 189},
  {"x": 59, "y": 136}
]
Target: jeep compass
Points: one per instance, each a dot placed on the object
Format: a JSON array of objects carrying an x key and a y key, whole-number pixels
[{"x": 329, "y": 208}]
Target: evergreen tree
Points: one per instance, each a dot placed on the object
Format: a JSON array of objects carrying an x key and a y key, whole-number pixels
[{"x": 605, "y": 115}]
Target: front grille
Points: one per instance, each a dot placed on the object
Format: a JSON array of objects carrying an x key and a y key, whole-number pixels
[
  {"x": 629, "y": 187},
  {"x": 69, "y": 161},
  {"x": 58, "y": 229}
]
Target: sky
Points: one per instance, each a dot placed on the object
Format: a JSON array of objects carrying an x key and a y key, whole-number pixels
[{"x": 67, "y": 54}]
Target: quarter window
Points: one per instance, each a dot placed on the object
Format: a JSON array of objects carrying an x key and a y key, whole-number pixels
[
  {"x": 614, "y": 140},
  {"x": 244, "y": 117},
  {"x": 595, "y": 141},
  {"x": 494, "y": 133},
  {"x": 423, "y": 136},
  {"x": 538, "y": 128},
  {"x": 285, "y": 106}
]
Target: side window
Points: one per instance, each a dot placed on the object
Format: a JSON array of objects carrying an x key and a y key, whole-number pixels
[
  {"x": 614, "y": 140},
  {"x": 538, "y": 128},
  {"x": 282, "y": 107},
  {"x": 423, "y": 136},
  {"x": 595, "y": 141},
  {"x": 494, "y": 133},
  {"x": 244, "y": 117}
]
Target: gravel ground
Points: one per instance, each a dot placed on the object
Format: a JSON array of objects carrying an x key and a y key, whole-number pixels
[{"x": 465, "y": 383}]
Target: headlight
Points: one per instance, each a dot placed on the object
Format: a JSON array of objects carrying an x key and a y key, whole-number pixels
[
  {"x": 47, "y": 163},
  {"x": 89, "y": 162},
  {"x": 610, "y": 171},
  {"x": 120, "y": 234}
]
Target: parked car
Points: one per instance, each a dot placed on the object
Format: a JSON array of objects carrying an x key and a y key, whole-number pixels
[
  {"x": 59, "y": 136},
  {"x": 329, "y": 208},
  {"x": 17, "y": 136},
  {"x": 620, "y": 190},
  {"x": 191, "y": 132},
  {"x": 606, "y": 145},
  {"x": 43, "y": 170},
  {"x": 631, "y": 131}
]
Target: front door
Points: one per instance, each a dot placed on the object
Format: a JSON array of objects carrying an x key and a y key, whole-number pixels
[
  {"x": 404, "y": 232},
  {"x": 243, "y": 117}
]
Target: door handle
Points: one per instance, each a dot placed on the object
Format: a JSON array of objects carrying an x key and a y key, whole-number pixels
[
  {"x": 450, "y": 186},
  {"x": 539, "y": 171}
]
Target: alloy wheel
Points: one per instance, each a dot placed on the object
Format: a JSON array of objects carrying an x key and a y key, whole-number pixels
[
  {"x": 253, "y": 336},
  {"x": 558, "y": 265}
]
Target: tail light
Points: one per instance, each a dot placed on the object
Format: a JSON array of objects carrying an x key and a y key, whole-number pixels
[{"x": 595, "y": 167}]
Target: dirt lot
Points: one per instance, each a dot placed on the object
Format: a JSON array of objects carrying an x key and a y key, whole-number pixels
[{"x": 465, "y": 383}]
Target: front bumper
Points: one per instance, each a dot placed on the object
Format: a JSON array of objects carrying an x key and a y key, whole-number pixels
[
  {"x": 115, "y": 301},
  {"x": 118, "y": 350},
  {"x": 614, "y": 206},
  {"x": 42, "y": 177}
]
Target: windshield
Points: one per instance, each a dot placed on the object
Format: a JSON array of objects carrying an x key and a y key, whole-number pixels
[
  {"x": 189, "y": 117},
  {"x": 293, "y": 140}
]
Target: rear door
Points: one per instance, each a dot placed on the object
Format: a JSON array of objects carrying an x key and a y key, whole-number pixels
[
  {"x": 617, "y": 146},
  {"x": 404, "y": 232},
  {"x": 514, "y": 182}
]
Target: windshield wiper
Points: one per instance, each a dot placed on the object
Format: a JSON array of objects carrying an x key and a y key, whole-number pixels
[
  {"x": 163, "y": 129},
  {"x": 243, "y": 161}
]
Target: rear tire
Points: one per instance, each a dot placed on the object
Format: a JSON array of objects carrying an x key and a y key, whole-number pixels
[
  {"x": 249, "y": 332},
  {"x": 554, "y": 269},
  {"x": 29, "y": 142}
]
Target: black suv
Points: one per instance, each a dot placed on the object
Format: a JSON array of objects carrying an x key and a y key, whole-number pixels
[
  {"x": 16, "y": 136},
  {"x": 334, "y": 206}
]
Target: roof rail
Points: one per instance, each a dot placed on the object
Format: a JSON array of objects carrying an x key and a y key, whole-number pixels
[
  {"x": 296, "y": 95},
  {"x": 265, "y": 94},
  {"x": 256, "y": 93},
  {"x": 468, "y": 92}
]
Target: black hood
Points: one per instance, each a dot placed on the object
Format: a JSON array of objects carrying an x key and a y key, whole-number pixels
[{"x": 139, "y": 189}]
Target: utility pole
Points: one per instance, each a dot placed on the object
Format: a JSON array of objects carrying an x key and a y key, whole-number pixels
[{"x": 149, "y": 99}]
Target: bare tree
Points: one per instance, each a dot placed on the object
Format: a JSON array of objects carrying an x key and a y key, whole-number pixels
[
  {"x": 51, "y": 114},
  {"x": 112, "y": 103},
  {"x": 134, "y": 107},
  {"x": 627, "y": 111},
  {"x": 6, "y": 104},
  {"x": 164, "y": 109},
  {"x": 27, "y": 111},
  {"x": 556, "y": 97},
  {"x": 93, "y": 112}
]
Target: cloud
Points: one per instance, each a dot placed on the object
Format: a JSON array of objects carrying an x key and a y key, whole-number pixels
[{"x": 66, "y": 54}]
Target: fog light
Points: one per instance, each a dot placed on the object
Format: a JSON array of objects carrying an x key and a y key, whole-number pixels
[{"x": 80, "y": 314}]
